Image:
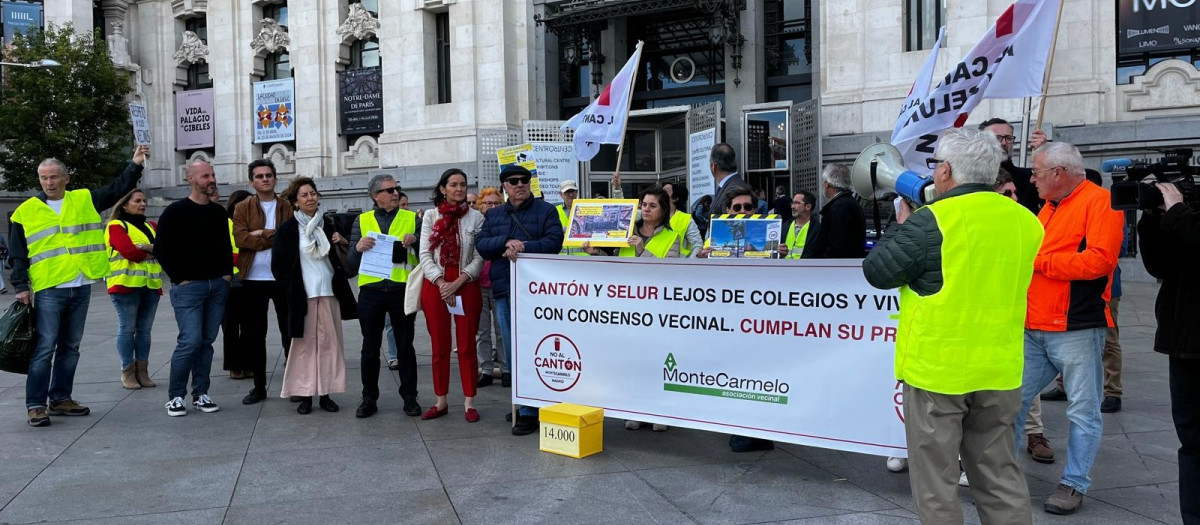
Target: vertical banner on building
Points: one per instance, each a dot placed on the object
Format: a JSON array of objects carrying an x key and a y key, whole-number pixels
[
  {"x": 20, "y": 17},
  {"x": 555, "y": 163},
  {"x": 795, "y": 351},
  {"x": 700, "y": 180},
  {"x": 361, "y": 96},
  {"x": 194, "y": 119},
  {"x": 141, "y": 124},
  {"x": 274, "y": 111}
]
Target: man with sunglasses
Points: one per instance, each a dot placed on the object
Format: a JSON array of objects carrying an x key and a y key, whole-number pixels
[
  {"x": 1022, "y": 178},
  {"x": 254, "y": 222},
  {"x": 379, "y": 298},
  {"x": 843, "y": 233},
  {"x": 522, "y": 225}
]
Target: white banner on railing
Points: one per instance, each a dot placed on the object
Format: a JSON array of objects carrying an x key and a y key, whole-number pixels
[{"x": 795, "y": 351}]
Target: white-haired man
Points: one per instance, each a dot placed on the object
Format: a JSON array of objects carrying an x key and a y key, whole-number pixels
[
  {"x": 843, "y": 233},
  {"x": 57, "y": 252},
  {"x": 1068, "y": 307},
  {"x": 963, "y": 265}
]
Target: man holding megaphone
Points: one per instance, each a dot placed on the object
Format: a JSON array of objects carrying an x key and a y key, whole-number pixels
[{"x": 963, "y": 264}]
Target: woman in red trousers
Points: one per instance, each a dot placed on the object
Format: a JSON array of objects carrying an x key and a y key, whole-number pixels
[{"x": 451, "y": 266}]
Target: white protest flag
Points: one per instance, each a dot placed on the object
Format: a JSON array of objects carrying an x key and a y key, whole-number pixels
[
  {"x": 603, "y": 121},
  {"x": 1008, "y": 62},
  {"x": 920, "y": 88}
]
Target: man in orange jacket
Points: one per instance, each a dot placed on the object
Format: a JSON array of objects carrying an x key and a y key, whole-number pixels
[{"x": 1067, "y": 307}]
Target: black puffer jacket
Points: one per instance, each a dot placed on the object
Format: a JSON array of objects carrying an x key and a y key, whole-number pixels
[{"x": 1170, "y": 246}]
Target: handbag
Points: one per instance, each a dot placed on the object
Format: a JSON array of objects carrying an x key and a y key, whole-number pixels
[
  {"x": 17, "y": 338},
  {"x": 412, "y": 290}
]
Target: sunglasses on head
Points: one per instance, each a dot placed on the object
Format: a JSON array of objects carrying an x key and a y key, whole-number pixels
[
  {"x": 520, "y": 179},
  {"x": 391, "y": 190},
  {"x": 742, "y": 207}
]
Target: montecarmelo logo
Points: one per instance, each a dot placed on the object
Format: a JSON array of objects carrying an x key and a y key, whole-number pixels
[{"x": 722, "y": 384}]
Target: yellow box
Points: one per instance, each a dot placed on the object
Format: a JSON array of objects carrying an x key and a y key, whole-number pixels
[{"x": 572, "y": 430}]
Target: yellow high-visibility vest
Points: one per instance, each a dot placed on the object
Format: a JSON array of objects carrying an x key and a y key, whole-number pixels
[
  {"x": 63, "y": 246},
  {"x": 796, "y": 239},
  {"x": 565, "y": 219},
  {"x": 233, "y": 244},
  {"x": 124, "y": 272},
  {"x": 404, "y": 224},
  {"x": 970, "y": 335},
  {"x": 680, "y": 222},
  {"x": 659, "y": 245}
]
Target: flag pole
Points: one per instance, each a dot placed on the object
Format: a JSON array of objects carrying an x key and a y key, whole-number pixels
[
  {"x": 628, "y": 104},
  {"x": 1050, "y": 64},
  {"x": 1026, "y": 109}
]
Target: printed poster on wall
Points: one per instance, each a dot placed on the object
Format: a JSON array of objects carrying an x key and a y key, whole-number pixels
[
  {"x": 555, "y": 163},
  {"x": 274, "y": 111},
  {"x": 361, "y": 97},
  {"x": 20, "y": 17},
  {"x": 194, "y": 119},
  {"x": 700, "y": 180}
]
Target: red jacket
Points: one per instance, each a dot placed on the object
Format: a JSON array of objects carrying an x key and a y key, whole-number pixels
[{"x": 1072, "y": 271}]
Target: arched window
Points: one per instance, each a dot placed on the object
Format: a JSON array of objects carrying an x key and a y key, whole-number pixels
[{"x": 364, "y": 53}]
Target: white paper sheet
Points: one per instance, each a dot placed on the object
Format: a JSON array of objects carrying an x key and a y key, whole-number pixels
[
  {"x": 377, "y": 262},
  {"x": 457, "y": 307}
]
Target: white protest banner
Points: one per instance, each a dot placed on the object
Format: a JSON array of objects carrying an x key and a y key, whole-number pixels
[
  {"x": 555, "y": 163},
  {"x": 194, "y": 119},
  {"x": 920, "y": 87},
  {"x": 796, "y": 351},
  {"x": 1008, "y": 62},
  {"x": 700, "y": 180},
  {"x": 141, "y": 124},
  {"x": 274, "y": 111}
]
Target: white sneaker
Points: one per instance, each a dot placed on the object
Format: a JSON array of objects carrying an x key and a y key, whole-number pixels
[
  {"x": 659, "y": 428},
  {"x": 205, "y": 404},
  {"x": 897, "y": 464},
  {"x": 962, "y": 480},
  {"x": 175, "y": 407},
  {"x": 633, "y": 425}
]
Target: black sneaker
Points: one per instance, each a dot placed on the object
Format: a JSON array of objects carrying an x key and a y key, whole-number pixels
[
  {"x": 205, "y": 404},
  {"x": 1110, "y": 404},
  {"x": 255, "y": 396},
  {"x": 175, "y": 407},
  {"x": 525, "y": 425},
  {"x": 484, "y": 380},
  {"x": 1054, "y": 395},
  {"x": 366, "y": 408},
  {"x": 506, "y": 380},
  {"x": 411, "y": 408}
]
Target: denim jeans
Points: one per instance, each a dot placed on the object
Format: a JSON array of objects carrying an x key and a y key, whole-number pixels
[
  {"x": 199, "y": 308},
  {"x": 135, "y": 318},
  {"x": 1077, "y": 355},
  {"x": 59, "y": 318},
  {"x": 504, "y": 317}
]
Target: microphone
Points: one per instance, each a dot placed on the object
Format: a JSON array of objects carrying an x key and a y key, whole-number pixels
[{"x": 1110, "y": 166}]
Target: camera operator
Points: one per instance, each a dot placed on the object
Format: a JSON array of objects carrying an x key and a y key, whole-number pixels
[{"x": 1170, "y": 242}]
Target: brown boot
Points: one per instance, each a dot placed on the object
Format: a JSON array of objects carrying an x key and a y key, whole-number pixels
[
  {"x": 129, "y": 377},
  {"x": 1039, "y": 449},
  {"x": 143, "y": 374}
]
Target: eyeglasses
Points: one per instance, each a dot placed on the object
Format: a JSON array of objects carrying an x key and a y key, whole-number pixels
[
  {"x": 738, "y": 208},
  {"x": 799, "y": 203},
  {"x": 1008, "y": 193},
  {"x": 518, "y": 180},
  {"x": 488, "y": 204},
  {"x": 391, "y": 190},
  {"x": 1006, "y": 138},
  {"x": 1035, "y": 172},
  {"x": 933, "y": 163}
]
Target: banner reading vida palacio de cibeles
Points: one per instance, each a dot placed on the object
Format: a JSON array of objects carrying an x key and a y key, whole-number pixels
[{"x": 792, "y": 351}]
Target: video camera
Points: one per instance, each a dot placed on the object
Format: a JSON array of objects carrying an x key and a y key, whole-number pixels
[{"x": 1130, "y": 190}]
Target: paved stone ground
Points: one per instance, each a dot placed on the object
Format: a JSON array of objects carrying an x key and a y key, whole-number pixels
[{"x": 128, "y": 463}]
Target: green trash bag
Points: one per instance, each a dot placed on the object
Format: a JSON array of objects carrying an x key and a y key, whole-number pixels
[{"x": 17, "y": 338}]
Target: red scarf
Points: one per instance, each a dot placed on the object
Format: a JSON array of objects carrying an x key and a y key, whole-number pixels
[{"x": 445, "y": 233}]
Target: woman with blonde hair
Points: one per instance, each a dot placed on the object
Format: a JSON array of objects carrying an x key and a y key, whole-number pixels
[{"x": 134, "y": 285}]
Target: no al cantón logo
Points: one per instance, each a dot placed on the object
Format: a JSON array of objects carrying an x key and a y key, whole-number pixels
[{"x": 558, "y": 362}]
